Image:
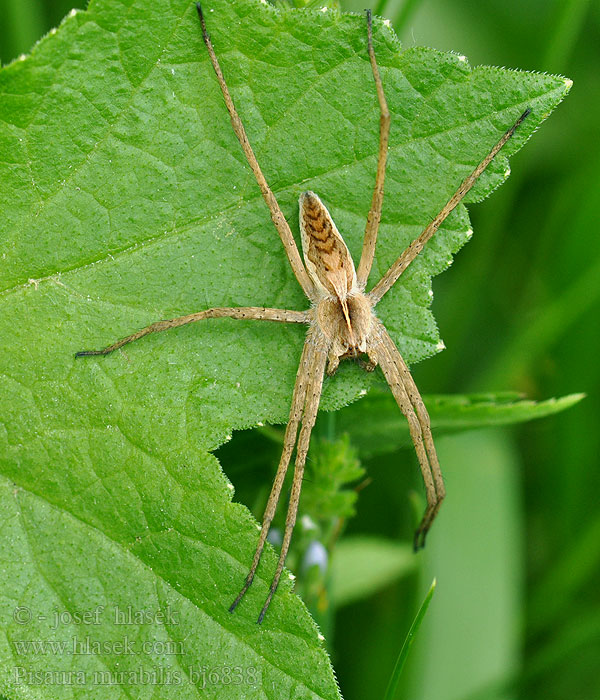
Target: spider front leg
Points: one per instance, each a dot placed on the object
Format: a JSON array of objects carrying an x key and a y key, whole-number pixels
[
  {"x": 277, "y": 217},
  {"x": 414, "y": 248},
  {"x": 289, "y": 442},
  {"x": 256, "y": 313},
  {"x": 311, "y": 407},
  {"x": 305, "y": 404},
  {"x": 374, "y": 217}
]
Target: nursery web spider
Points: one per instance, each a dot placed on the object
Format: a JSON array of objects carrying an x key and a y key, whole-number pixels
[{"x": 341, "y": 320}]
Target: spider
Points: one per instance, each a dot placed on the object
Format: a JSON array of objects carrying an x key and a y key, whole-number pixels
[{"x": 341, "y": 319}]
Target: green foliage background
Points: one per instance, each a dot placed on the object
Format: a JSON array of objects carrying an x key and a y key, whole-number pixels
[{"x": 517, "y": 549}]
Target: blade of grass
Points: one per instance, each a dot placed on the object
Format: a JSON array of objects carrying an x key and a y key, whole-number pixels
[
  {"x": 390, "y": 693},
  {"x": 574, "y": 570},
  {"x": 568, "y": 641},
  {"x": 550, "y": 324}
]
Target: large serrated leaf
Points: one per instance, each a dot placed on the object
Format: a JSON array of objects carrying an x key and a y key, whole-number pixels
[{"x": 126, "y": 198}]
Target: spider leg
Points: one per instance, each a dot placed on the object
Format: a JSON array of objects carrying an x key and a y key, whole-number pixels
[
  {"x": 257, "y": 313},
  {"x": 277, "y": 216},
  {"x": 411, "y": 252},
  {"x": 374, "y": 217},
  {"x": 311, "y": 406},
  {"x": 421, "y": 438},
  {"x": 289, "y": 441},
  {"x": 418, "y": 405}
]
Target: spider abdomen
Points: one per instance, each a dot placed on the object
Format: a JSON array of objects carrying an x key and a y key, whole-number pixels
[{"x": 326, "y": 255}]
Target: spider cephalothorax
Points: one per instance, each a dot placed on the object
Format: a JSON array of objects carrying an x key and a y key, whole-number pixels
[{"x": 341, "y": 322}]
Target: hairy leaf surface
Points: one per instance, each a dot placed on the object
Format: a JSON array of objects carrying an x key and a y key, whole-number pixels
[{"x": 125, "y": 198}]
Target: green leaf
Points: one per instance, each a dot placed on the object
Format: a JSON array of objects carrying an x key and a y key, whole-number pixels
[
  {"x": 376, "y": 425},
  {"x": 363, "y": 565},
  {"x": 125, "y": 198}
]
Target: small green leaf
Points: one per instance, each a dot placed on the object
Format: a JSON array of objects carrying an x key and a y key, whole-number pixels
[
  {"x": 333, "y": 465},
  {"x": 363, "y": 565},
  {"x": 376, "y": 425}
]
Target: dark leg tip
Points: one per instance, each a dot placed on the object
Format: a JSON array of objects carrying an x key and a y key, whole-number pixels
[
  {"x": 419, "y": 540},
  {"x": 235, "y": 603},
  {"x": 199, "y": 9},
  {"x": 263, "y": 612},
  {"x": 89, "y": 353},
  {"x": 242, "y": 593},
  {"x": 522, "y": 118}
]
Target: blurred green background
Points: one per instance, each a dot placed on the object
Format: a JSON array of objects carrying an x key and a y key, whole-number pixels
[{"x": 516, "y": 551}]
